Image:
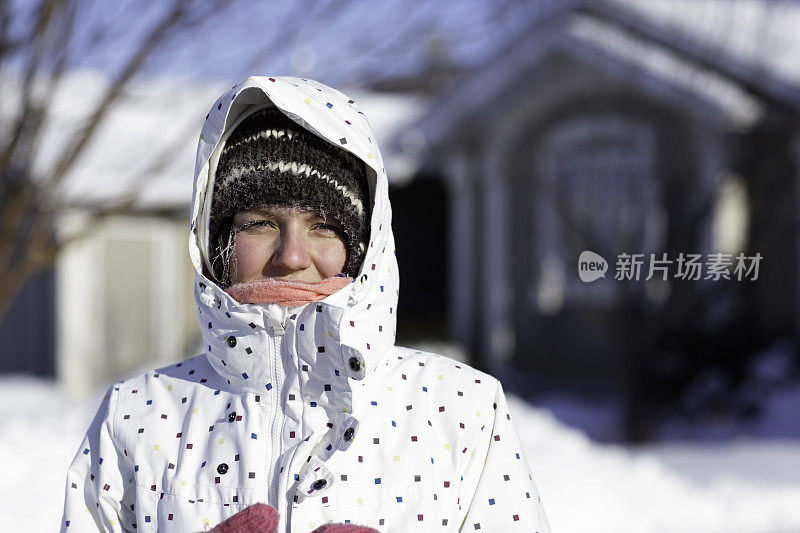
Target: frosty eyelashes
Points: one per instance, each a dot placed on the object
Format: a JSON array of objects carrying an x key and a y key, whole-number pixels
[
  {"x": 263, "y": 222},
  {"x": 225, "y": 259},
  {"x": 253, "y": 223}
]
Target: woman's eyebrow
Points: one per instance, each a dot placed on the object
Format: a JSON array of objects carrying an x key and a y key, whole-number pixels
[{"x": 256, "y": 211}]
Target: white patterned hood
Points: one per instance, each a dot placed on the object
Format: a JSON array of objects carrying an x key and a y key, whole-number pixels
[{"x": 356, "y": 322}]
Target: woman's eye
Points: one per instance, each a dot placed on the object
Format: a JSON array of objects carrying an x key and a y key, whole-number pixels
[
  {"x": 255, "y": 226},
  {"x": 328, "y": 229}
]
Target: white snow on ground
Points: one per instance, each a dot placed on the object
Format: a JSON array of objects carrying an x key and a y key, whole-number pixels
[
  {"x": 741, "y": 486},
  {"x": 606, "y": 488},
  {"x": 40, "y": 433}
]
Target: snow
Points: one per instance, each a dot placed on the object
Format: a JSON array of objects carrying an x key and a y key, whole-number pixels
[
  {"x": 734, "y": 486},
  {"x": 741, "y": 486},
  {"x": 741, "y": 109},
  {"x": 761, "y": 33},
  {"x": 154, "y": 121},
  {"x": 42, "y": 429}
]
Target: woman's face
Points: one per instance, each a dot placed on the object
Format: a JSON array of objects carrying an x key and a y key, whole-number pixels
[{"x": 286, "y": 243}]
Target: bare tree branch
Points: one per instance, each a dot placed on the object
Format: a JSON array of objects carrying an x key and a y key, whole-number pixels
[
  {"x": 39, "y": 258},
  {"x": 21, "y": 205},
  {"x": 146, "y": 46},
  {"x": 5, "y": 26},
  {"x": 380, "y": 45},
  {"x": 38, "y": 38},
  {"x": 286, "y": 31},
  {"x": 28, "y": 204}
]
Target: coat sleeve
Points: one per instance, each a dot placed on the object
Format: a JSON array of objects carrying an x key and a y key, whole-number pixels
[
  {"x": 498, "y": 492},
  {"x": 96, "y": 478}
]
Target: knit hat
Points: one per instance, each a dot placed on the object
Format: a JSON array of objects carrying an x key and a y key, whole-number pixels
[{"x": 269, "y": 160}]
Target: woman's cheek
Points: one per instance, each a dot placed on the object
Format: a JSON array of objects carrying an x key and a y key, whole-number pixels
[
  {"x": 249, "y": 257},
  {"x": 332, "y": 258}
]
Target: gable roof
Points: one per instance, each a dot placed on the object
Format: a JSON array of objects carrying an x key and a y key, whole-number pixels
[
  {"x": 687, "y": 63},
  {"x": 733, "y": 51}
]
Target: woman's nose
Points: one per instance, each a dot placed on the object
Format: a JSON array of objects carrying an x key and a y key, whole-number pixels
[{"x": 292, "y": 253}]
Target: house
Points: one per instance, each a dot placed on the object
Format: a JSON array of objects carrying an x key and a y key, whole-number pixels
[{"x": 617, "y": 127}]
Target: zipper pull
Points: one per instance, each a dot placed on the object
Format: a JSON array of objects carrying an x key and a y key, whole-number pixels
[
  {"x": 278, "y": 328},
  {"x": 278, "y": 323}
]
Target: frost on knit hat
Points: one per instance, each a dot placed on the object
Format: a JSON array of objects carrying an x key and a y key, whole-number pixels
[{"x": 269, "y": 160}]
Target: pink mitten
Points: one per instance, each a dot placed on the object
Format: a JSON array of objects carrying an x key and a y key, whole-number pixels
[
  {"x": 258, "y": 518},
  {"x": 344, "y": 528}
]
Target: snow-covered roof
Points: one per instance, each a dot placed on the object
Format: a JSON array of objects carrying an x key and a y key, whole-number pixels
[
  {"x": 765, "y": 34},
  {"x": 153, "y": 119},
  {"x": 695, "y": 52},
  {"x": 146, "y": 145}
]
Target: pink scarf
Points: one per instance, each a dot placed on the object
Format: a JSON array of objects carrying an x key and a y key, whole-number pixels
[{"x": 288, "y": 293}]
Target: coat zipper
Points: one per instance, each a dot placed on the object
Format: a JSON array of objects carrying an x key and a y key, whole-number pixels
[
  {"x": 274, "y": 434},
  {"x": 278, "y": 326}
]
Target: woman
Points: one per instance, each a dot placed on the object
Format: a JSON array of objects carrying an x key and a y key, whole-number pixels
[{"x": 301, "y": 399}]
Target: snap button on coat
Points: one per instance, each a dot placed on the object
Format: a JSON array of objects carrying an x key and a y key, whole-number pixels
[
  {"x": 222, "y": 468},
  {"x": 319, "y": 484},
  {"x": 355, "y": 364},
  {"x": 232, "y": 416},
  {"x": 232, "y": 341}
]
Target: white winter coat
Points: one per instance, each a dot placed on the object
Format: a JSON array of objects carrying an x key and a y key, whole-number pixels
[{"x": 313, "y": 410}]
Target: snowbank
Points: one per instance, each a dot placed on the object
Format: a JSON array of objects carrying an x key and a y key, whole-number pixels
[
  {"x": 41, "y": 431},
  {"x": 585, "y": 486},
  {"x": 607, "y": 488}
]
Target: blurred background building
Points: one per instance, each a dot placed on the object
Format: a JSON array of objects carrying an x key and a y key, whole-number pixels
[{"x": 516, "y": 135}]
